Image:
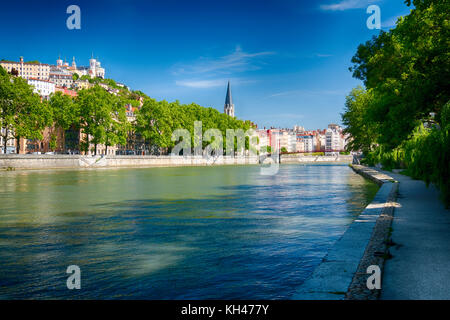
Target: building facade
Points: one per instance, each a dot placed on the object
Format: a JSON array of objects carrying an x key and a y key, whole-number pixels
[
  {"x": 27, "y": 70},
  {"x": 42, "y": 87},
  {"x": 334, "y": 139},
  {"x": 61, "y": 77}
]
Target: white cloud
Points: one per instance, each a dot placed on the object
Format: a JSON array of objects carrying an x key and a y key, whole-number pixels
[
  {"x": 200, "y": 84},
  {"x": 210, "y": 83},
  {"x": 390, "y": 23},
  {"x": 347, "y": 4},
  {"x": 237, "y": 61}
]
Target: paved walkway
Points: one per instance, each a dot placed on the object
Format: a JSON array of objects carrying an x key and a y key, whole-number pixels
[{"x": 420, "y": 267}]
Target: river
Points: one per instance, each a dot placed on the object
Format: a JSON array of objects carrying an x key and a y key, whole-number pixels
[{"x": 222, "y": 232}]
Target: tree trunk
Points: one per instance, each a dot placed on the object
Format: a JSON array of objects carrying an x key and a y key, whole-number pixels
[
  {"x": 18, "y": 145},
  {"x": 5, "y": 141},
  {"x": 106, "y": 150}
]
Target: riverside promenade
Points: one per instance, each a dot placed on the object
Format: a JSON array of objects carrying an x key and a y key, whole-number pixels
[{"x": 420, "y": 266}]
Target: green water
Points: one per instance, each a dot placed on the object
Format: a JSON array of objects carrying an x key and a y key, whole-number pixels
[{"x": 222, "y": 232}]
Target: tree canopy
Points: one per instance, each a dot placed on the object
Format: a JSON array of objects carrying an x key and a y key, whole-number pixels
[
  {"x": 22, "y": 115},
  {"x": 408, "y": 70},
  {"x": 400, "y": 119}
]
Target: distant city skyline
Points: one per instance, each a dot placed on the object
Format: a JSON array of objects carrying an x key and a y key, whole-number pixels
[{"x": 287, "y": 61}]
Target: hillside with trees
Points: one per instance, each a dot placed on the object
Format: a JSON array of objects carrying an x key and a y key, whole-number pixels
[{"x": 101, "y": 116}]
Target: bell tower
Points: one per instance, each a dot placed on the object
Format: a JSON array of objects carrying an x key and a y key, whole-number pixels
[{"x": 229, "y": 106}]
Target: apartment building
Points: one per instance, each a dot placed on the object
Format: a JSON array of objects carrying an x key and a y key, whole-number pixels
[
  {"x": 61, "y": 77},
  {"x": 42, "y": 87},
  {"x": 27, "y": 70}
]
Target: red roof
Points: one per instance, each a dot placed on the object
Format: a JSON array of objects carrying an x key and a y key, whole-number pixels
[{"x": 66, "y": 91}]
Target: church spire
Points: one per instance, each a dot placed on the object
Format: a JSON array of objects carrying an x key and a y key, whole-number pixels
[
  {"x": 228, "y": 99},
  {"x": 229, "y": 106}
]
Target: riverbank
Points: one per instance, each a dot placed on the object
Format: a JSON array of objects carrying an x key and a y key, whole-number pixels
[
  {"x": 30, "y": 162},
  {"x": 341, "y": 275}
]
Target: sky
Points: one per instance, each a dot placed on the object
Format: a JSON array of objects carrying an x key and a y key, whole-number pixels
[{"x": 287, "y": 60}]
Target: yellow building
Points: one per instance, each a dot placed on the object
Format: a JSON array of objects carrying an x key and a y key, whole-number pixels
[
  {"x": 83, "y": 84},
  {"x": 27, "y": 70}
]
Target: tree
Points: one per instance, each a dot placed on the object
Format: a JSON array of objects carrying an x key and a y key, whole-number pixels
[
  {"x": 23, "y": 115},
  {"x": 95, "y": 112},
  {"x": 154, "y": 122},
  {"x": 405, "y": 72},
  {"x": 102, "y": 118},
  {"x": 408, "y": 70},
  {"x": 65, "y": 115},
  {"x": 357, "y": 121},
  {"x": 117, "y": 129}
]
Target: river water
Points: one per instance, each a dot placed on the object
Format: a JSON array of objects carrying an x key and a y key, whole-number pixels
[{"x": 222, "y": 232}]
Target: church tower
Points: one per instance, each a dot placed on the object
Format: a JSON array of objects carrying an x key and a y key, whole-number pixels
[{"x": 229, "y": 106}]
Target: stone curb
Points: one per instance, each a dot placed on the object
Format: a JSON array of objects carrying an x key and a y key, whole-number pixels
[{"x": 377, "y": 250}]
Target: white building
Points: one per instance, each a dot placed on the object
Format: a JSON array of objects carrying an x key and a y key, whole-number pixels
[
  {"x": 42, "y": 87},
  {"x": 61, "y": 77},
  {"x": 299, "y": 128},
  {"x": 10, "y": 145},
  {"x": 308, "y": 140},
  {"x": 334, "y": 139},
  {"x": 292, "y": 142},
  {"x": 95, "y": 69}
]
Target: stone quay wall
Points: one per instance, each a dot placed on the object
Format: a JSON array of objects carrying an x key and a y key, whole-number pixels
[
  {"x": 13, "y": 162},
  {"x": 29, "y": 161}
]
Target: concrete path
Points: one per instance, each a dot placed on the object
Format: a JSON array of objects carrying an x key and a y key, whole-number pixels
[{"x": 420, "y": 267}]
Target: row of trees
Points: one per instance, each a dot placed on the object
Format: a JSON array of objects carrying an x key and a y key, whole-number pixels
[
  {"x": 400, "y": 118},
  {"x": 100, "y": 116},
  {"x": 165, "y": 117}
]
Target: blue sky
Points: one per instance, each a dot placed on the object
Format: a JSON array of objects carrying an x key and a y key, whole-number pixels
[{"x": 287, "y": 60}]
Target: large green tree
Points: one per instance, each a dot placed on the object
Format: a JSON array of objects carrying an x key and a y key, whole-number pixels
[
  {"x": 408, "y": 69},
  {"x": 101, "y": 117},
  {"x": 116, "y": 130},
  {"x": 22, "y": 114},
  {"x": 362, "y": 130},
  {"x": 65, "y": 114}
]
